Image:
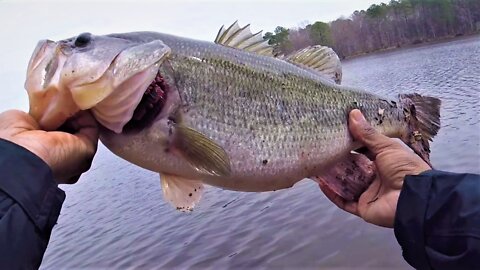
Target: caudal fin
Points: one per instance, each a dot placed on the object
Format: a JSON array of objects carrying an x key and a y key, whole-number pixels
[
  {"x": 426, "y": 110},
  {"x": 423, "y": 116}
]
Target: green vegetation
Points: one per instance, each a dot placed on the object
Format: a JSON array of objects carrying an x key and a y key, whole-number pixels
[
  {"x": 383, "y": 26},
  {"x": 320, "y": 34},
  {"x": 280, "y": 40}
]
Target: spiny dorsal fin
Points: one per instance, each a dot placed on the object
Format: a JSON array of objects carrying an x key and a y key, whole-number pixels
[
  {"x": 182, "y": 193},
  {"x": 320, "y": 58},
  {"x": 242, "y": 38}
]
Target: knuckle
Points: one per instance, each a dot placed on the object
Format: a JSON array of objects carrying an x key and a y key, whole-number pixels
[
  {"x": 87, "y": 165},
  {"x": 91, "y": 151},
  {"x": 389, "y": 143},
  {"x": 369, "y": 131}
]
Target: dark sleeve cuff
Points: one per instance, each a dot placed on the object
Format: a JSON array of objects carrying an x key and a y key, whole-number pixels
[
  {"x": 28, "y": 180},
  {"x": 438, "y": 219},
  {"x": 412, "y": 207}
]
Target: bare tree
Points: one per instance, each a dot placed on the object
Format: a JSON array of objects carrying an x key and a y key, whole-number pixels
[{"x": 383, "y": 26}]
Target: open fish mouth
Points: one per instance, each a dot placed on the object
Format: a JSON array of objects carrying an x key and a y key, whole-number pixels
[
  {"x": 115, "y": 79},
  {"x": 150, "y": 106}
]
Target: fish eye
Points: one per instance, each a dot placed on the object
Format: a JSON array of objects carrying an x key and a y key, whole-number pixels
[{"x": 83, "y": 39}]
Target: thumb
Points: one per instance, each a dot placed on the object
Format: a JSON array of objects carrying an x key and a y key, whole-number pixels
[{"x": 363, "y": 132}]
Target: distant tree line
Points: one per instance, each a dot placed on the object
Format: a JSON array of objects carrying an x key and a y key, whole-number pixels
[{"x": 384, "y": 26}]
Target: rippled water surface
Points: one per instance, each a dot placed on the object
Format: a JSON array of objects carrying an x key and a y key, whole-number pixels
[{"x": 115, "y": 216}]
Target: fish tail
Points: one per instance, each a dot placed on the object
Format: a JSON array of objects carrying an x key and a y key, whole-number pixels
[
  {"x": 423, "y": 117},
  {"x": 350, "y": 177},
  {"x": 425, "y": 111}
]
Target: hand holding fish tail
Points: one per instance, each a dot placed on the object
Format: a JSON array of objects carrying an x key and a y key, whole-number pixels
[{"x": 393, "y": 161}]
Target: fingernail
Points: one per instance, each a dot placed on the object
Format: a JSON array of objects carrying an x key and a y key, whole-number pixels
[{"x": 358, "y": 116}]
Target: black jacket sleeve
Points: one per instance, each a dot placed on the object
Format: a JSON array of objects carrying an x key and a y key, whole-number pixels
[
  {"x": 30, "y": 203},
  {"x": 437, "y": 221}
]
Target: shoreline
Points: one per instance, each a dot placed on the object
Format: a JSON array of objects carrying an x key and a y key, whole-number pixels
[{"x": 412, "y": 46}]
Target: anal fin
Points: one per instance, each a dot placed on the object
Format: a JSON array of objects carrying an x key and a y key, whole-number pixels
[
  {"x": 182, "y": 193},
  {"x": 350, "y": 177}
]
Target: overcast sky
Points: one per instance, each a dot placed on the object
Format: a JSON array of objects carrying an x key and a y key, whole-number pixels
[{"x": 22, "y": 24}]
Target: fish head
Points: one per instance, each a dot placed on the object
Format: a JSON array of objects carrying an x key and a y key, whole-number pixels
[{"x": 107, "y": 74}]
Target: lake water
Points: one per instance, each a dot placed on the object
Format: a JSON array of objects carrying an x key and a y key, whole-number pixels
[{"x": 115, "y": 216}]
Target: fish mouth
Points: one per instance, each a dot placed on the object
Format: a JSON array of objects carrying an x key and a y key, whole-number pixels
[
  {"x": 150, "y": 106},
  {"x": 118, "y": 87}
]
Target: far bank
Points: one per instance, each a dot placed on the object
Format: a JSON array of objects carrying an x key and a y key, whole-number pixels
[{"x": 414, "y": 46}]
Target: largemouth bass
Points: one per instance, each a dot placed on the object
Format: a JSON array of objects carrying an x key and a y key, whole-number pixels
[{"x": 228, "y": 113}]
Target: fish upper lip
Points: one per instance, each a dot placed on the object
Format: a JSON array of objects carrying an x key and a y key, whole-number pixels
[{"x": 39, "y": 53}]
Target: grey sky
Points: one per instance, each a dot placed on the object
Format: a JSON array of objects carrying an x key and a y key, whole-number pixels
[{"x": 24, "y": 23}]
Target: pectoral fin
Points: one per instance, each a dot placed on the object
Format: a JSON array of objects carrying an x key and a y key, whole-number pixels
[
  {"x": 201, "y": 152},
  {"x": 182, "y": 193}
]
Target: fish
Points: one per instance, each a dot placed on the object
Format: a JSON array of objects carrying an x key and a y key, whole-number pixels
[{"x": 227, "y": 113}]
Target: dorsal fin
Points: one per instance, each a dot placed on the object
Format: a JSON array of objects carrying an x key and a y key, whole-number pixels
[
  {"x": 242, "y": 38},
  {"x": 320, "y": 58}
]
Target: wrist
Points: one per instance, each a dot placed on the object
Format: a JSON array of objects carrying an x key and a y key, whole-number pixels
[{"x": 419, "y": 170}]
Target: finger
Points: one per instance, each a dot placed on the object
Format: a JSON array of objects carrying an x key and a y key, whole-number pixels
[
  {"x": 362, "y": 131},
  {"x": 350, "y": 207},
  {"x": 370, "y": 195},
  {"x": 366, "y": 152},
  {"x": 87, "y": 126},
  {"x": 19, "y": 120},
  {"x": 71, "y": 157},
  {"x": 71, "y": 180}
]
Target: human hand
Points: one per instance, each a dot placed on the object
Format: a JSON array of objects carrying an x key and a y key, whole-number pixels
[
  {"x": 68, "y": 155},
  {"x": 393, "y": 161}
]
